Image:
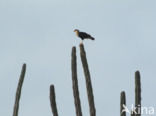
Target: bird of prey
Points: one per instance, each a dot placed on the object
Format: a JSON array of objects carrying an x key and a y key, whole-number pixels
[{"x": 83, "y": 35}]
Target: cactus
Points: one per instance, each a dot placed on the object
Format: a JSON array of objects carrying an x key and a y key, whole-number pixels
[
  {"x": 88, "y": 81},
  {"x": 137, "y": 110},
  {"x": 75, "y": 83},
  {"x": 134, "y": 112},
  {"x": 137, "y": 93},
  {"x": 53, "y": 101},
  {"x": 122, "y": 103},
  {"x": 18, "y": 91}
]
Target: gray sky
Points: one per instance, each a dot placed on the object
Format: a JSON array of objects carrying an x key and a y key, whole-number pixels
[{"x": 40, "y": 34}]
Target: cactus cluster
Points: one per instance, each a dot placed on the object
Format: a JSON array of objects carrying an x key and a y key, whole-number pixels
[
  {"x": 89, "y": 89},
  {"x": 137, "y": 110}
]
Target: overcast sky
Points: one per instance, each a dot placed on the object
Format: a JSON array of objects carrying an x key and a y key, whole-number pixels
[{"x": 40, "y": 34}]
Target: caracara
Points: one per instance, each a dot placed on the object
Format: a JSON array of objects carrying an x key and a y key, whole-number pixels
[{"x": 83, "y": 35}]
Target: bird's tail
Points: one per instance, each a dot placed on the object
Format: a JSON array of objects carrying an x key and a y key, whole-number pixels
[{"x": 92, "y": 38}]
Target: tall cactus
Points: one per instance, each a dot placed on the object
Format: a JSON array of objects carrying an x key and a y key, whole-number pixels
[
  {"x": 88, "y": 81},
  {"x": 18, "y": 91},
  {"x": 53, "y": 101},
  {"x": 137, "y": 93},
  {"x": 75, "y": 83},
  {"x": 122, "y": 104}
]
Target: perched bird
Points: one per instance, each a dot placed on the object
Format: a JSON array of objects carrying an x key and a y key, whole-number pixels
[{"x": 83, "y": 35}]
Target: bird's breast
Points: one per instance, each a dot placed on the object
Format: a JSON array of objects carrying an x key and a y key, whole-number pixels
[{"x": 77, "y": 33}]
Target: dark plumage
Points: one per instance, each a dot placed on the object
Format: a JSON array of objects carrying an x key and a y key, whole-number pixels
[{"x": 83, "y": 35}]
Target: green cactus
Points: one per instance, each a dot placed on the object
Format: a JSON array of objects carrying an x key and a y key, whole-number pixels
[
  {"x": 53, "y": 100},
  {"x": 18, "y": 91},
  {"x": 88, "y": 81},
  {"x": 137, "y": 93},
  {"x": 122, "y": 103},
  {"x": 75, "y": 83}
]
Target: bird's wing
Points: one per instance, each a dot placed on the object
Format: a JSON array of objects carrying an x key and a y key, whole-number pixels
[{"x": 84, "y": 35}]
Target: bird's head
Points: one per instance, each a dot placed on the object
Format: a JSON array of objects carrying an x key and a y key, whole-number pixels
[{"x": 76, "y": 30}]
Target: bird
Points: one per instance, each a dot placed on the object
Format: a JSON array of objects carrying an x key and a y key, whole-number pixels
[{"x": 83, "y": 35}]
